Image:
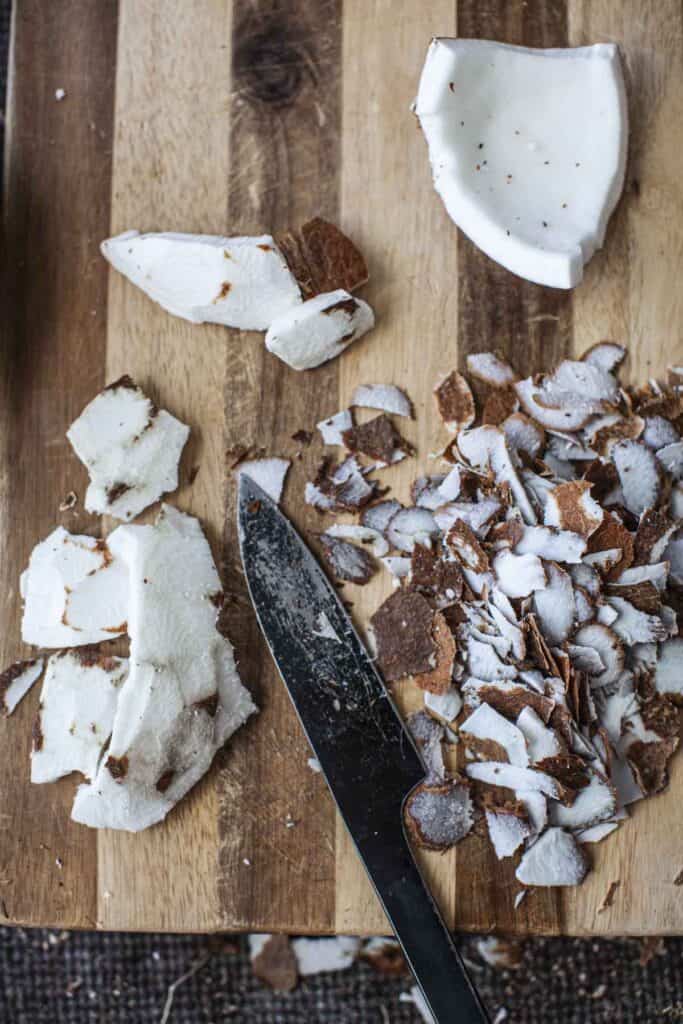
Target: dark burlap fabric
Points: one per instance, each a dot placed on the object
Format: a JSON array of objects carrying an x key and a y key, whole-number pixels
[{"x": 61, "y": 978}]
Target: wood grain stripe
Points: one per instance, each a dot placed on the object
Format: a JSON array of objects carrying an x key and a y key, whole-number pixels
[
  {"x": 285, "y": 155},
  {"x": 56, "y": 208},
  {"x": 531, "y": 326}
]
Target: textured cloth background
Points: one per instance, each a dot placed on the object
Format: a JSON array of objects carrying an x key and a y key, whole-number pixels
[{"x": 82, "y": 978}]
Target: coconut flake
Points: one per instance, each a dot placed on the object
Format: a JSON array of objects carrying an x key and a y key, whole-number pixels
[
  {"x": 552, "y": 544},
  {"x": 377, "y": 517},
  {"x": 507, "y": 829},
  {"x": 398, "y": 566},
  {"x": 307, "y": 335},
  {"x": 438, "y": 679},
  {"x": 554, "y": 859},
  {"x": 572, "y": 417},
  {"x": 402, "y": 627},
  {"x": 331, "y": 429},
  {"x": 239, "y": 282},
  {"x": 603, "y": 641},
  {"x": 130, "y": 448},
  {"x": 439, "y": 814},
  {"x": 77, "y": 707},
  {"x": 75, "y": 592},
  {"x": 638, "y": 475},
  {"x": 488, "y": 726},
  {"x": 428, "y": 735},
  {"x": 411, "y": 526},
  {"x": 386, "y": 397},
  {"x": 16, "y": 681},
  {"x": 554, "y": 605},
  {"x": 315, "y": 956},
  {"x": 594, "y": 803},
  {"x": 446, "y": 705},
  {"x": 523, "y": 435},
  {"x": 379, "y": 439},
  {"x": 497, "y": 773},
  {"x": 361, "y": 535},
  {"x": 570, "y": 506},
  {"x": 477, "y": 515},
  {"x": 541, "y": 741},
  {"x": 183, "y": 697},
  {"x": 659, "y": 432},
  {"x": 518, "y": 575},
  {"x": 671, "y": 457},
  {"x": 347, "y": 561},
  {"x": 455, "y": 402},
  {"x": 269, "y": 474},
  {"x": 596, "y": 833},
  {"x": 669, "y": 668},
  {"x": 489, "y": 368},
  {"x": 484, "y": 663}
]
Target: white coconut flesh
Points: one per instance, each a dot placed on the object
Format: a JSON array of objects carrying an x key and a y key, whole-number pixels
[
  {"x": 507, "y": 832},
  {"x": 130, "y": 448},
  {"x": 16, "y": 681},
  {"x": 183, "y": 697},
  {"x": 551, "y": 543},
  {"x": 487, "y": 724},
  {"x": 333, "y": 954},
  {"x": 540, "y": 740},
  {"x": 498, "y": 773},
  {"x": 554, "y": 605},
  {"x": 528, "y": 149},
  {"x": 445, "y": 705},
  {"x": 75, "y": 592},
  {"x": 386, "y": 397},
  {"x": 269, "y": 474},
  {"x": 239, "y": 282},
  {"x": 77, "y": 707},
  {"x": 554, "y": 859},
  {"x": 319, "y": 329},
  {"x": 331, "y": 429}
]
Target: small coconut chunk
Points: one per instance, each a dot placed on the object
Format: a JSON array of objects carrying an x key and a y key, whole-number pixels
[
  {"x": 523, "y": 435},
  {"x": 373, "y": 539},
  {"x": 497, "y": 773},
  {"x": 348, "y": 561},
  {"x": 484, "y": 663},
  {"x": 652, "y": 536},
  {"x": 606, "y": 355},
  {"x": 269, "y": 474},
  {"x": 462, "y": 542},
  {"x": 669, "y": 669},
  {"x": 386, "y": 397},
  {"x": 446, "y": 705},
  {"x": 319, "y": 329},
  {"x": 671, "y": 458},
  {"x": 570, "y": 507},
  {"x": 554, "y": 859},
  {"x": 506, "y": 696},
  {"x": 379, "y": 439},
  {"x": 239, "y": 282},
  {"x": 489, "y": 368},
  {"x": 607, "y": 645},
  {"x": 500, "y": 403},
  {"x": 656, "y": 573},
  {"x": 183, "y": 697},
  {"x": 477, "y": 515},
  {"x": 75, "y": 592},
  {"x": 77, "y": 707},
  {"x": 638, "y": 475},
  {"x": 130, "y": 448},
  {"x": 518, "y": 575},
  {"x": 16, "y": 681},
  {"x": 398, "y": 566},
  {"x": 594, "y": 803},
  {"x": 425, "y": 491},
  {"x": 377, "y": 517},
  {"x": 541, "y": 741},
  {"x": 508, "y": 827},
  {"x": 402, "y": 628},
  {"x": 314, "y": 956},
  {"x": 554, "y": 605},
  {"x": 659, "y": 432},
  {"x": 635, "y": 627},
  {"x": 273, "y": 961},
  {"x": 455, "y": 402},
  {"x": 486, "y": 447},
  {"x": 340, "y": 487},
  {"x": 438, "y": 680},
  {"x": 486, "y": 726},
  {"x": 585, "y": 659},
  {"x": 596, "y": 833},
  {"x": 411, "y": 526},
  {"x": 552, "y": 544},
  {"x": 571, "y": 417},
  {"x": 322, "y": 258},
  {"x": 428, "y": 735},
  {"x": 435, "y": 573},
  {"x": 439, "y": 814},
  {"x": 331, "y": 430}
]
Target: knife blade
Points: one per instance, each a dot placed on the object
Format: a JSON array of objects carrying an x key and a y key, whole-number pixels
[{"x": 366, "y": 755}]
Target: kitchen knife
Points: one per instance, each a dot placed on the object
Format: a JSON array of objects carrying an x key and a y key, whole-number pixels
[{"x": 367, "y": 757}]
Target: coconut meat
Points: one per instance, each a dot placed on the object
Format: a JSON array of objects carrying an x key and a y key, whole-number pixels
[
  {"x": 319, "y": 329},
  {"x": 528, "y": 149}
]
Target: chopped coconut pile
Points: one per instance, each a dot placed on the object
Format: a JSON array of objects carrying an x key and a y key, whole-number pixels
[
  {"x": 130, "y": 448},
  {"x": 536, "y": 585},
  {"x": 182, "y": 698}
]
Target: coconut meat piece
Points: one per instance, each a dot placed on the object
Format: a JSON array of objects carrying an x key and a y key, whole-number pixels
[
  {"x": 239, "y": 282},
  {"x": 671, "y": 458},
  {"x": 455, "y": 402},
  {"x": 596, "y": 833},
  {"x": 398, "y": 566},
  {"x": 518, "y": 575},
  {"x": 386, "y": 397},
  {"x": 522, "y": 434},
  {"x": 594, "y": 803},
  {"x": 313, "y": 956},
  {"x": 75, "y": 592},
  {"x": 488, "y": 726},
  {"x": 439, "y": 814},
  {"x": 477, "y": 515},
  {"x": 183, "y": 697},
  {"x": 446, "y": 705},
  {"x": 540, "y": 740},
  {"x": 554, "y": 859},
  {"x": 602, "y": 641},
  {"x": 486, "y": 447},
  {"x": 507, "y": 832},
  {"x": 551, "y": 543},
  {"x": 319, "y": 329},
  {"x": 570, "y": 506},
  {"x": 607, "y": 355},
  {"x": 554, "y": 605},
  {"x": 347, "y": 561},
  {"x": 411, "y": 526},
  {"x": 638, "y": 475},
  {"x": 269, "y": 474},
  {"x": 528, "y": 149},
  {"x": 498, "y": 773},
  {"x": 359, "y": 535},
  {"x": 130, "y": 448},
  {"x": 331, "y": 430},
  {"x": 16, "y": 681},
  {"x": 571, "y": 416},
  {"x": 77, "y": 707},
  {"x": 669, "y": 668},
  {"x": 491, "y": 369},
  {"x": 377, "y": 517}
]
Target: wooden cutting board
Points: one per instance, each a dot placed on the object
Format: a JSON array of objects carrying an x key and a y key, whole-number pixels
[{"x": 212, "y": 116}]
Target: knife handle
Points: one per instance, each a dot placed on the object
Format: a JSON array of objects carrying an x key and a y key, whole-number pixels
[{"x": 429, "y": 949}]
